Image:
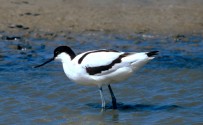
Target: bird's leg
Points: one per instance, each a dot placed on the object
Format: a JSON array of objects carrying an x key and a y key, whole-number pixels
[
  {"x": 102, "y": 97},
  {"x": 113, "y": 98}
]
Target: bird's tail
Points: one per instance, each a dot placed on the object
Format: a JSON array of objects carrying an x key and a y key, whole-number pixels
[{"x": 152, "y": 53}]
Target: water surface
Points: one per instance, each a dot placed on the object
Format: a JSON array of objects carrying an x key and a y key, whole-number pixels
[{"x": 168, "y": 90}]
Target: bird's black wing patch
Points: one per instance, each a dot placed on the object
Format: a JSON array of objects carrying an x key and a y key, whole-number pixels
[
  {"x": 102, "y": 50},
  {"x": 99, "y": 69}
]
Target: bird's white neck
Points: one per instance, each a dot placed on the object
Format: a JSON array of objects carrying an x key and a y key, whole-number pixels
[
  {"x": 64, "y": 58},
  {"x": 67, "y": 64},
  {"x": 69, "y": 69}
]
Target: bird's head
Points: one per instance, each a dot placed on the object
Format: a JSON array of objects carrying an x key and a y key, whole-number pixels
[{"x": 60, "y": 53}]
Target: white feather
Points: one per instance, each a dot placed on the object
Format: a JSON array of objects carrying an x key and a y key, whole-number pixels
[{"x": 119, "y": 71}]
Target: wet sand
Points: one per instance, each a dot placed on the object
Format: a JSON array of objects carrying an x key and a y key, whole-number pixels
[{"x": 171, "y": 17}]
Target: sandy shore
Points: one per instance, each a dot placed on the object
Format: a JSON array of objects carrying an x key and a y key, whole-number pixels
[{"x": 174, "y": 16}]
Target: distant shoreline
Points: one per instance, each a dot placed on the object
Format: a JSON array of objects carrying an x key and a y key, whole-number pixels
[{"x": 170, "y": 17}]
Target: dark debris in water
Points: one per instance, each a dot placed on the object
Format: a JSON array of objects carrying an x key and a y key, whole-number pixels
[
  {"x": 11, "y": 38},
  {"x": 179, "y": 37},
  {"x": 23, "y": 47}
]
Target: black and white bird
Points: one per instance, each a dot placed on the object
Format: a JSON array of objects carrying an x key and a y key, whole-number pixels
[{"x": 100, "y": 67}]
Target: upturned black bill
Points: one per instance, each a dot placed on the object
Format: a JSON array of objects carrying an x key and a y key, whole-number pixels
[{"x": 52, "y": 59}]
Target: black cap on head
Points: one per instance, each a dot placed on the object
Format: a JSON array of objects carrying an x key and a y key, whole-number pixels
[
  {"x": 65, "y": 49},
  {"x": 57, "y": 51}
]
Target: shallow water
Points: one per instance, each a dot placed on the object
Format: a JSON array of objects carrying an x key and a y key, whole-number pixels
[{"x": 168, "y": 90}]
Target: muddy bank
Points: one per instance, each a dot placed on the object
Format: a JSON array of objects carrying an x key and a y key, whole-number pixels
[{"x": 171, "y": 17}]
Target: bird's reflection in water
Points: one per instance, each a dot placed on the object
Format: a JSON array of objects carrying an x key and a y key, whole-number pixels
[
  {"x": 114, "y": 115},
  {"x": 136, "y": 107}
]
